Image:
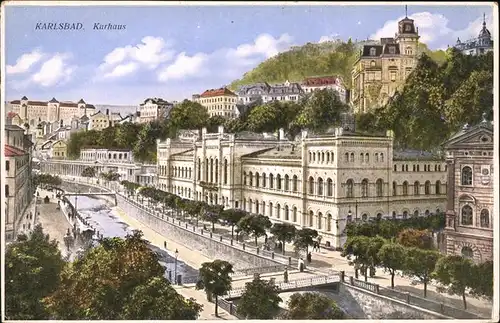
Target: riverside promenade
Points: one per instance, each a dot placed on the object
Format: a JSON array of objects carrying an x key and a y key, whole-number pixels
[{"x": 327, "y": 259}]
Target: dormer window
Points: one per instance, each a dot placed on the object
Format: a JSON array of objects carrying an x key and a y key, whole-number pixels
[
  {"x": 373, "y": 51},
  {"x": 407, "y": 28},
  {"x": 392, "y": 50}
]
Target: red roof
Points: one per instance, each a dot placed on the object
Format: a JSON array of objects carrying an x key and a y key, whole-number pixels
[
  {"x": 11, "y": 114},
  {"x": 318, "y": 81},
  {"x": 11, "y": 151},
  {"x": 217, "y": 92}
]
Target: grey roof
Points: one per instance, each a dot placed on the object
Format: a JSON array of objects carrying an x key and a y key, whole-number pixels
[
  {"x": 81, "y": 101},
  {"x": 24, "y": 98},
  {"x": 485, "y": 124},
  {"x": 13, "y": 127},
  {"x": 253, "y": 136},
  {"x": 282, "y": 152},
  {"x": 53, "y": 101}
]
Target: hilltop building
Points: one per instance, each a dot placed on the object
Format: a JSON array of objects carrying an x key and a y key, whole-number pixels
[
  {"x": 319, "y": 181},
  {"x": 32, "y": 112},
  {"x": 288, "y": 91},
  {"x": 219, "y": 102},
  {"x": 477, "y": 46},
  {"x": 470, "y": 214},
  {"x": 154, "y": 109},
  {"x": 381, "y": 68},
  {"x": 335, "y": 83}
]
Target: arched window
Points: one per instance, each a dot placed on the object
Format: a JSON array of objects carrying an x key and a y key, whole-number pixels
[
  {"x": 328, "y": 157},
  {"x": 352, "y": 158},
  {"x": 349, "y": 188},
  {"x": 257, "y": 180},
  {"x": 311, "y": 219},
  {"x": 364, "y": 217},
  {"x": 394, "y": 214},
  {"x": 225, "y": 171},
  {"x": 278, "y": 211},
  {"x": 367, "y": 158},
  {"x": 467, "y": 252},
  {"x": 405, "y": 188},
  {"x": 381, "y": 157},
  {"x": 320, "y": 219},
  {"x": 311, "y": 185},
  {"x": 485, "y": 218},
  {"x": 329, "y": 222},
  {"x": 427, "y": 188},
  {"x": 294, "y": 183},
  {"x": 405, "y": 215},
  {"x": 250, "y": 178},
  {"x": 270, "y": 209},
  {"x": 329, "y": 187},
  {"x": 257, "y": 207},
  {"x": 310, "y": 156},
  {"x": 287, "y": 211},
  {"x": 379, "y": 216},
  {"x": 372, "y": 63},
  {"x": 466, "y": 176},
  {"x": 346, "y": 157},
  {"x": 271, "y": 181},
  {"x": 394, "y": 188},
  {"x": 320, "y": 186},
  {"x": 362, "y": 157},
  {"x": 416, "y": 188},
  {"x": 199, "y": 170},
  {"x": 364, "y": 188},
  {"x": 244, "y": 178},
  {"x": 380, "y": 187},
  {"x": 211, "y": 170},
  {"x": 438, "y": 187},
  {"x": 278, "y": 181},
  {"x": 376, "y": 157},
  {"x": 466, "y": 215},
  {"x": 294, "y": 214},
  {"x": 416, "y": 213},
  {"x": 287, "y": 182},
  {"x": 264, "y": 180}
]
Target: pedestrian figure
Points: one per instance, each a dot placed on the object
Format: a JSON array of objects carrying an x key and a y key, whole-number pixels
[
  {"x": 301, "y": 265},
  {"x": 309, "y": 257}
]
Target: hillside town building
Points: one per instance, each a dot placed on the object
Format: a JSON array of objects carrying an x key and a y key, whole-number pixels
[
  {"x": 381, "y": 68},
  {"x": 33, "y": 112},
  {"x": 477, "y": 46},
  {"x": 470, "y": 214},
  {"x": 154, "y": 109},
  {"x": 288, "y": 91},
  {"x": 218, "y": 102},
  {"x": 18, "y": 188},
  {"x": 317, "y": 181},
  {"x": 311, "y": 84}
]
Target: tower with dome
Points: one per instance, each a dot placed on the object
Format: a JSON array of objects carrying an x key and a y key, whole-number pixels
[{"x": 477, "y": 46}]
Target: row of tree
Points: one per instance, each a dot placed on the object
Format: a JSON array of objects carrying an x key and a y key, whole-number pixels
[
  {"x": 46, "y": 180},
  {"x": 412, "y": 253},
  {"x": 260, "y": 299},
  {"x": 256, "y": 225}
]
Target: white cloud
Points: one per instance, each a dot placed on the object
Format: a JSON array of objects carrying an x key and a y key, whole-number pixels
[
  {"x": 328, "y": 38},
  {"x": 150, "y": 53},
  {"x": 54, "y": 71},
  {"x": 359, "y": 22},
  {"x": 25, "y": 62},
  {"x": 433, "y": 29},
  {"x": 122, "y": 70},
  {"x": 474, "y": 27},
  {"x": 183, "y": 67},
  {"x": 226, "y": 63}
]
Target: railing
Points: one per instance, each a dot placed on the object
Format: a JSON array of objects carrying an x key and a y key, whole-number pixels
[{"x": 414, "y": 300}]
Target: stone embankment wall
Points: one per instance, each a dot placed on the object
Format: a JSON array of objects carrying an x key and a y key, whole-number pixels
[{"x": 194, "y": 239}]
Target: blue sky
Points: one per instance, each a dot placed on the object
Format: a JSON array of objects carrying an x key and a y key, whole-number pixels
[{"x": 175, "y": 51}]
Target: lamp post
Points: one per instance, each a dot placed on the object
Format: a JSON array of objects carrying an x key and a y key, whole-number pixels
[{"x": 175, "y": 266}]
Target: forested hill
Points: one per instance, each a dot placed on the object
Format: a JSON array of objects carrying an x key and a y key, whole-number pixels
[{"x": 314, "y": 59}]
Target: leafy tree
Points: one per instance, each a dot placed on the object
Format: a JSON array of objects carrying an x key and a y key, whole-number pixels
[
  {"x": 373, "y": 247},
  {"x": 322, "y": 110},
  {"x": 215, "y": 279},
  {"x": 214, "y": 122},
  {"x": 455, "y": 273},
  {"x": 255, "y": 225},
  {"x": 88, "y": 172},
  {"x": 232, "y": 217},
  {"x": 304, "y": 238},
  {"x": 482, "y": 275},
  {"x": 111, "y": 281},
  {"x": 313, "y": 306},
  {"x": 357, "y": 246},
  {"x": 213, "y": 213},
  {"x": 421, "y": 263},
  {"x": 126, "y": 134},
  {"x": 392, "y": 256},
  {"x": 32, "y": 268},
  {"x": 188, "y": 115},
  {"x": 272, "y": 116},
  {"x": 415, "y": 238},
  {"x": 284, "y": 232},
  {"x": 260, "y": 301}
]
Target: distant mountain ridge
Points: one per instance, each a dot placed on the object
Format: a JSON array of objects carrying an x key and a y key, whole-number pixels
[{"x": 314, "y": 59}]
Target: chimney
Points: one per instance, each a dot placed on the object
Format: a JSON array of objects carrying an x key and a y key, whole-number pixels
[{"x": 107, "y": 112}]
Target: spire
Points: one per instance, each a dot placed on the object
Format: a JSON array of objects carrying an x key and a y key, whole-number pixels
[
  {"x": 406, "y": 11},
  {"x": 484, "y": 20}
]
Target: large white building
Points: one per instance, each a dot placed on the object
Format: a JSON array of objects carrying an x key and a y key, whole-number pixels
[
  {"x": 477, "y": 46},
  {"x": 288, "y": 91},
  {"x": 18, "y": 188},
  {"x": 318, "y": 181}
]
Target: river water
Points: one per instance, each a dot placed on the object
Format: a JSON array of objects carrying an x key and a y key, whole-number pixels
[{"x": 108, "y": 223}]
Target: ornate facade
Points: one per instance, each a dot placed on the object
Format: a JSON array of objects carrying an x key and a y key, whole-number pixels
[
  {"x": 382, "y": 67},
  {"x": 317, "y": 181},
  {"x": 477, "y": 46},
  {"x": 219, "y": 102},
  {"x": 469, "y": 227},
  {"x": 154, "y": 109},
  {"x": 288, "y": 91},
  {"x": 32, "y": 112}
]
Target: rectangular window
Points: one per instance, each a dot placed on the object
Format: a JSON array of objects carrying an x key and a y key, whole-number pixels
[{"x": 7, "y": 165}]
